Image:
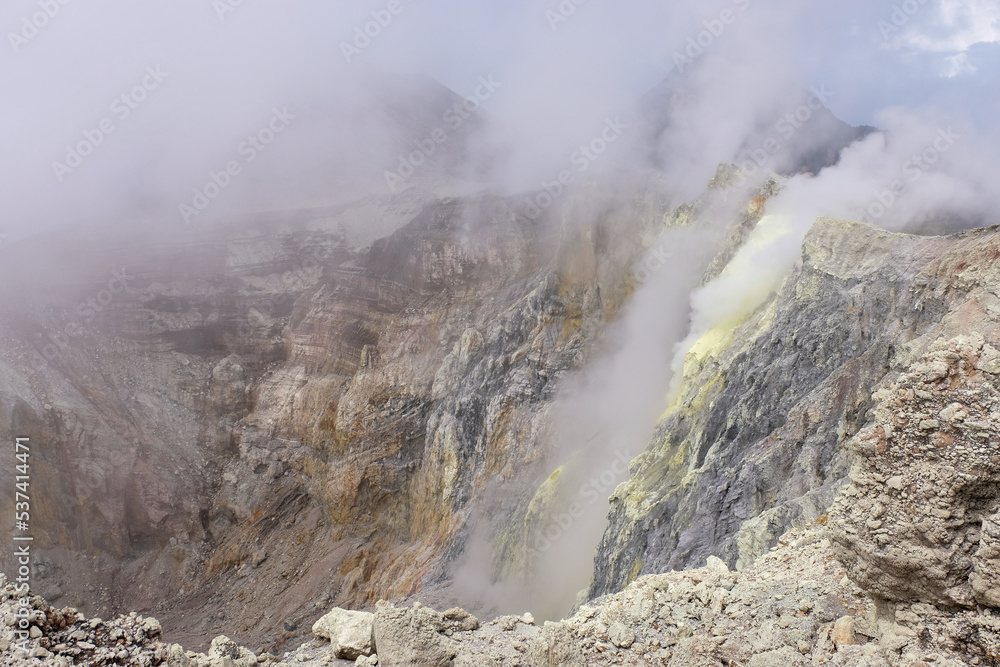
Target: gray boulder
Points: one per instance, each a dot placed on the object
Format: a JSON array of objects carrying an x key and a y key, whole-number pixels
[{"x": 413, "y": 637}]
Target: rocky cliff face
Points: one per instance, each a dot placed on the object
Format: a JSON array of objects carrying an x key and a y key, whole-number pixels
[
  {"x": 262, "y": 412},
  {"x": 756, "y": 442},
  {"x": 241, "y": 429}
]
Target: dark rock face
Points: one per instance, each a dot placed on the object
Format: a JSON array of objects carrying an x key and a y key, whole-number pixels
[{"x": 754, "y": 445}]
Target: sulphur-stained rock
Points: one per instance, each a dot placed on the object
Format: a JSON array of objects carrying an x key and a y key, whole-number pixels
[
  {"x": 264, "y": 385},
  {"x": 754, "y": 442},
  {"x": 919, "y": 516},
  {"x": 349, "y": 632},
  {"x": 331, "y": 428},
  {"x": 470, "y": 344}
]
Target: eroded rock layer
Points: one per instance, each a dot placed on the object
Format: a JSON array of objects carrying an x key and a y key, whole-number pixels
[{"x": 262, "y": 412}]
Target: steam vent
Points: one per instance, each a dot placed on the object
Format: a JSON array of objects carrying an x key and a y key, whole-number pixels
[{"x": 500, "y": 334}]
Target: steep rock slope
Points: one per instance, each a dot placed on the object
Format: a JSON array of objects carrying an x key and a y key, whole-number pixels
[
  {"x": 297, "y": 429},
  {"x": 415, "y": 395},
  {"x": 755, "y": 442},
  {"x": 263, "y": 413}
]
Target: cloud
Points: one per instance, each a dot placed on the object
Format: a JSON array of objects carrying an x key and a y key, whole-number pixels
[
  {"x": 954, "y": 26},
  {"x": 957, "y": 65},
  {"x": 228, "y": 69},
  {"x": 941, "y": 32}
]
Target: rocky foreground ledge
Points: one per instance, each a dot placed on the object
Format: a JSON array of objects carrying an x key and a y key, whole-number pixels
[{"x": 794, "y": 606}]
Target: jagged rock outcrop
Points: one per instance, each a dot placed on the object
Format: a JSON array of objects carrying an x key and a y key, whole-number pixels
[
  {"x": 755, "y": 443},
  {"x": 918, "y": 522}
]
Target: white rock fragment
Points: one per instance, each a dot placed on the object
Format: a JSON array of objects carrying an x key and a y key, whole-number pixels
[
  {"x": 349, "y": 632},
  {"x": 716, "y": 564}
]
